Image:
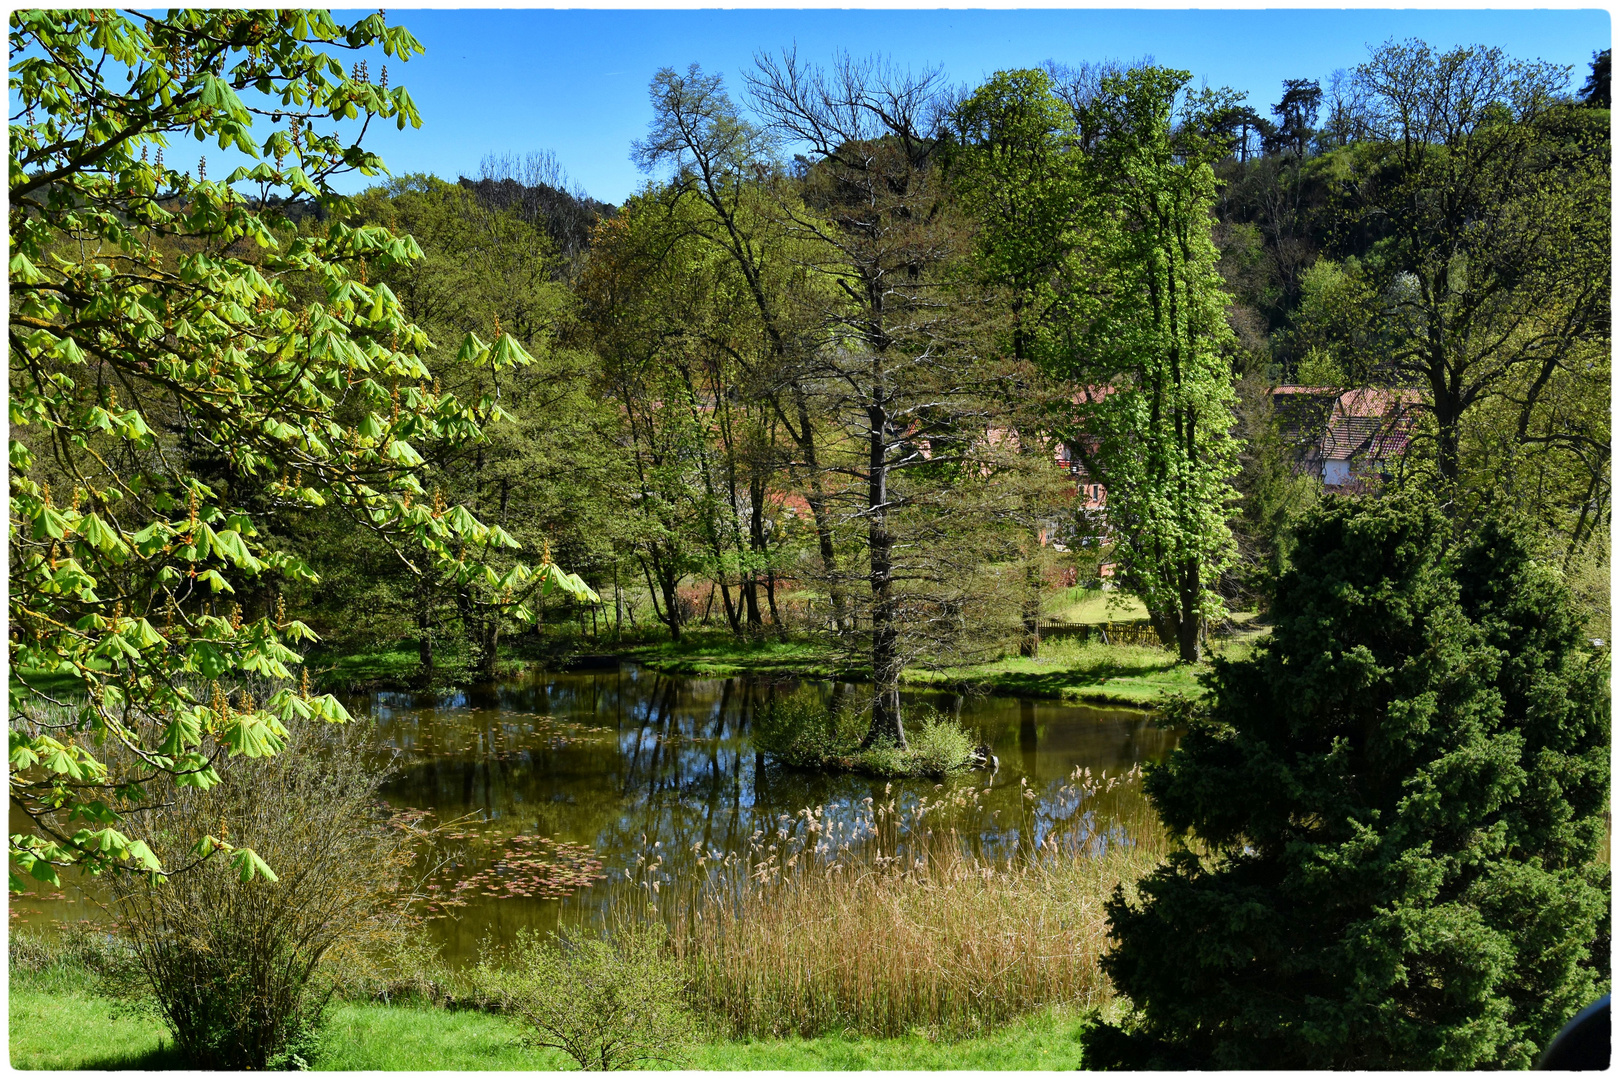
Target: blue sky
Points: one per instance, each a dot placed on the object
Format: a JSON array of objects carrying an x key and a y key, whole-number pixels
[{"x": 575, "y": 81}]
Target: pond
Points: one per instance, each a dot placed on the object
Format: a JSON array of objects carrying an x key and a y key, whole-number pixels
[
  {"x": 555, "y": 783},
  {"x": 628, "y": 761}
]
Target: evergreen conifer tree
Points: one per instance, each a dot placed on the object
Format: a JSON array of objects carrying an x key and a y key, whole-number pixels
[{"x": 1393, "y": 811}]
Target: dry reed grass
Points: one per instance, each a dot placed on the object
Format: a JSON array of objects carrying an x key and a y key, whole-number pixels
[{"x": 884, "y": 922}]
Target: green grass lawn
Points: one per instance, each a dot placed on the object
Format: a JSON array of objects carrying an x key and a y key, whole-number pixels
[
  {"x": 63, "y": 1026},
  {"x": 718, "y": 653},
  {"x": 57, "y": 684},
  {"x": 1105, "y": 674},
  {"x": 1082, "y": 605},
  {"x": 383, "y": 666},
  {"x": 1133, "y": 675},
  {"x": 1077, "y": 671}
]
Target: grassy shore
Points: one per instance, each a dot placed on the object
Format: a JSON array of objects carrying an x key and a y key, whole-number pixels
[
  {"x": 1067, "y": 669},
  {"x": 59, "y": 1022},
  {"x": 718, "y": 654},
  {"x": 867, "y": 940},
  {"x": 1134, "y": 675}
]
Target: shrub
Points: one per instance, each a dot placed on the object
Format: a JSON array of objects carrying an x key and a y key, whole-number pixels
[
  {"x": 800, "y": 732},
  {"x": 608, "y": 1004},
  {"x": 235, "y": 965},
  {"x": 937, "y": 747},
  {"x": 1400, "y": 801}
]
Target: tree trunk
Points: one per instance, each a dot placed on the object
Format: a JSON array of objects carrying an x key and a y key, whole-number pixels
[
  {"x": 770, "y": 598},
  {"x": 670, "y": 616},
  {"x": 1189, "y": 631},
  {"x": 817, "y": 499},
  {"x": 1030, "y": 644},
  {"x": 732, "y": 617},
  {"x": 618, "y": 603},
  {"x": 1446, "y": 440},
  {"x": 886, "y": 722},
  {"x": 756, "y": 545},
  {"x": 424, "y": 628},
  {"x": 672, "y": 605}
]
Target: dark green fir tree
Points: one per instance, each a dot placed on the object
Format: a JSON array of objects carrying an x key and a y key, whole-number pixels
[{"x": 1392, "y": 816}]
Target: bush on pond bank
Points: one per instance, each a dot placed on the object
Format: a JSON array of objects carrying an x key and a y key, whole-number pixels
[
  {"x": 801, "y": 732},
  {"x": 241, "y": 965},
  {"x": 607, "y": 1004}
]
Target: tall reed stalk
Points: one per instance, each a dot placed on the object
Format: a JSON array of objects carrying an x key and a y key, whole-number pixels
[{"x": 882, "y": 919}]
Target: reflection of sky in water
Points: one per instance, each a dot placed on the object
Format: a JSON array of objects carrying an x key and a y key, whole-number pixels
[
  {"x": 663, "y": 763},
  {"x": 628, "y": 761}
]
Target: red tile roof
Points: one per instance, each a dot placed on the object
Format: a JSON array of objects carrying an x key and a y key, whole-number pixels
[{"x": 1372, "y": 424}]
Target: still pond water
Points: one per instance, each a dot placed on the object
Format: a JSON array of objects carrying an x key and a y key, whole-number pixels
[
  {"x": 629, "y": 761},
  {"x": 563, "y": 779}
]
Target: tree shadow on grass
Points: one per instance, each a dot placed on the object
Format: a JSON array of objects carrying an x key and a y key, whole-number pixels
[
  {"x": 1065, "y": 681},
  {"x": 165, "y": 1056}
]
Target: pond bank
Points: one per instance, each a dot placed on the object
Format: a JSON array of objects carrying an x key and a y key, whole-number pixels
[
  {"x": 562, "y": 783},
  {"x": 1090, "y": 672}
]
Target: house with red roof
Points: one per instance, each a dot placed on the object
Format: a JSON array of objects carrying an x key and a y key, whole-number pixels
[
  {"x": 1342, "y": 437},
  {"x": 1346, "y": 437}
]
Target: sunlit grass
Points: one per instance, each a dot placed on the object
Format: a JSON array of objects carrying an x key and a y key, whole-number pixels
[
  {"x": 1134, "y": 675},
  {"x": 1046, "y": 1040},
  {"x": 1091, "y": 670},
  {"x": 58, "y": 1021},
  {"x": 1082, "y": 605},
  {"x": 719, "y": 653},
  {"x": 1137, "y": 675}
]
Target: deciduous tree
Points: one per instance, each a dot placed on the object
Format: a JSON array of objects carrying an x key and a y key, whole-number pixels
[
  {"x": 727, "y": 166},
  {"x": 901, "y": 364},
  {"x": 1147, "y": 346},
  {"x": 1482, "y": 189},
  {"x": 156, "y": 314},
  {"x": 1015, "y": 159}
]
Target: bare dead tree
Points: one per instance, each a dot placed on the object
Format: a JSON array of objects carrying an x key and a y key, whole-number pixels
[{"x": 903, "y": 367}]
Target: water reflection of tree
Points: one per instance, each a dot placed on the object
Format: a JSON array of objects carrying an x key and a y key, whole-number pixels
[{"x": 671, "y": 765}]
